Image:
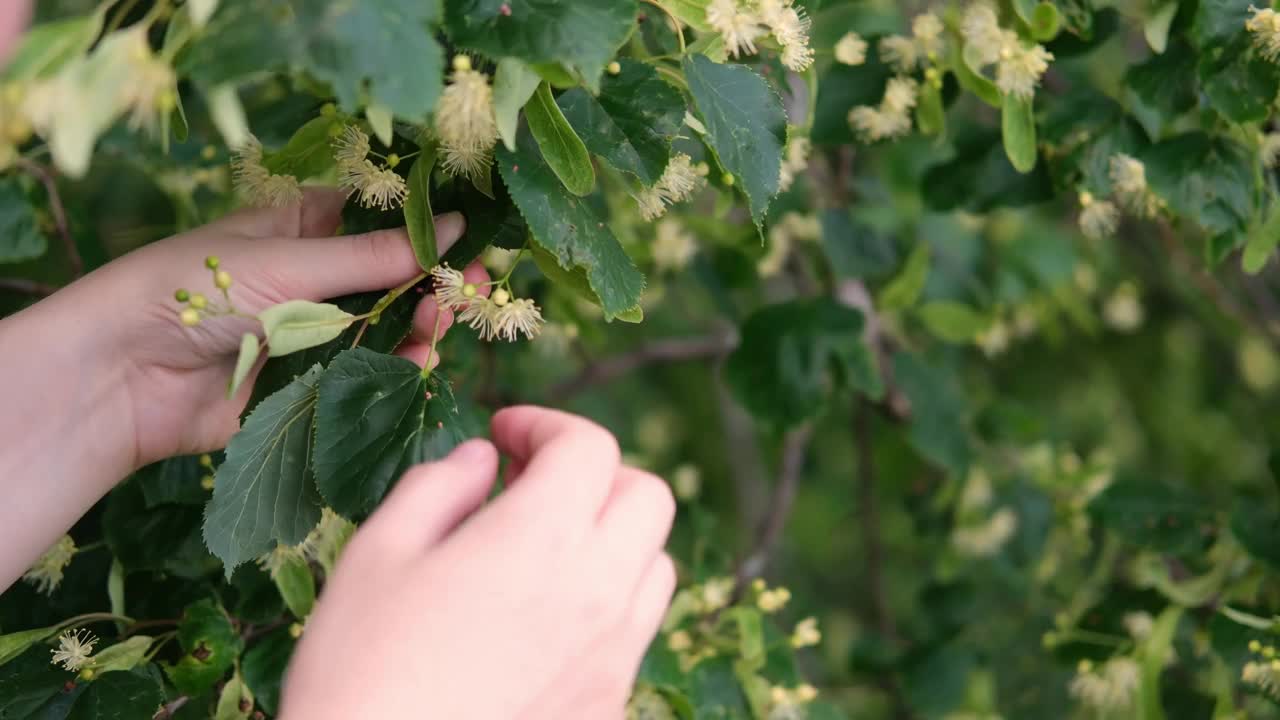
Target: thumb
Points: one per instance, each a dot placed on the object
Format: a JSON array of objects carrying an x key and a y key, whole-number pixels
[{"x": 322, "y": 268}]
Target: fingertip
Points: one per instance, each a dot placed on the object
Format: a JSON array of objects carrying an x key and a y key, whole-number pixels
[
  {"x": 474, "y": 452},
  {"x": 449, "y": 228}
]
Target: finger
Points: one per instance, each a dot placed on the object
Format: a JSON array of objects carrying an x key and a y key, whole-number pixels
[
  {"x": 569, "y": 462},
  {"x": 431, "y": 500},
  {"x": 318, "y": 215},
  {"x": 417, "y": 347},
  {"x": 319, "y": 268},
  {"x": 644, "y": 617},
  {"x": 12, "y": 22},
  {"x": 634, "y": 525}
]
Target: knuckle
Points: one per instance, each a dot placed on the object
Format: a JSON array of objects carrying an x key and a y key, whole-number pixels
[
  {"x": 380, "y": 248},
  {"x": 658, "y": 496},
  {"x": 599, "y": 606}
]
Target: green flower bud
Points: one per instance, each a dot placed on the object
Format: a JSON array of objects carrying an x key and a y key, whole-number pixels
[
  {"x": 212, "y": 262},
  {"x": 199, "y": 301},
  {"x": 728, "y": 179},
  {"x": 206, "y": 460},
  {"x": 461, "y": 63},
  {"x": 393, "y": 160},
  {"x": 328, "y": 110},
  {"x": 615, "y": 67},
  {"x": 295, "y": 631},
  {"x": 181, "y": 295},
  {"x": 222, "y": 279},
  {"x": 206, "y": 482},
  {"x": 189, "y": 317},
  {"x": 470, "y": 290}
]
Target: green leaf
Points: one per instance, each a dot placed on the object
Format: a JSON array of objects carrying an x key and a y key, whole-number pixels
[
  {"x": 299, "y": 324},
  {"x": 690, "y": 12},
  {"x": 1207, "y": 180},
  {"x": 931, "y": 116},
  {"x": 1156, "y": 27},
  {"x": 632, "y": 122},
  {"x": 119, "y": 696},
  {"x": 939, "y": 431},
  {"x": 1018, "y": 124},
  {"x": 1045, "y": 22},
  {"x": 746, "y": 126},
  {"x": 250, "y": 347},
  {"x": 968, "y": 70},
  {"x": 1156, "y": 651},
  {"x": 115, "y": 590},
  {"x": 173, "y": 481},
  {"x": 561, "y": 147},
  {"x": 374, "y": 421},
  {"x": 905, "y": 288},
  {"x": 210, "y": 646},
  {"x": 47, "y": 47},
  {"x": 380, "y": 122},
  {"x": 980, "y": 177},
  {"x": 1162, "y": 89},
  {"x": 308, "y": 153},
  {"x": 263, "y": 492},
  {"x": 1263, "y": 238},
  {"x": 264, "y": 665},
  {"x": 124, "y": 655},
  {"x": 20, "y": 236},
  {"x": 164, "y": 538},
  {"x": 1219, "y": 22},
  {"x": 581, "y": 34},
  {"x": 953, "y": 322},
  {"x": 418, "y": 218},
  {"x": 296, "y": 585},
  {"x": 576, "y": 281},
  {"x": 570, "y": 230},
  {"x": 514, "y": 82},
  {"x": 1152, "y": 515},
  {"x": 14, "y": 644},
  {"x": 795, "y": 356},
  {"x": 855, "y": 250},
  {"x": 1242, "y": 87},
  {"x": 843, "y": 87},
  {"x": 235, "y": 702},
  {"x": 27, "y": 682}
]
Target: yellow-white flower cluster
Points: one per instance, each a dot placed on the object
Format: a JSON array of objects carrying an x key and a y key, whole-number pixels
[
  {"x": 851, "y": 49},
  {"x": 806, "y": 633},
  {"x": 377, "y": 185},
  {"x": 74, "y": 651},
  {"x": 257, "y": 185},
  {"x": 465, "y": 123},
  {"x": 783, "y": 235},
  {"x": 1269, "y": 149},
  {"x": 1099, "y": 218},
  {"x": 892, "y": 118},
  {"x": 673, "y": 245},
  {"x": 498, "y": 316},
  {"x": 679, "y": 181},
  {"x": 1264, "y": 26},
  {"x": 789, "y": 703},
  {"x": 794, "y": 161},
  {"x": 987, "y": 538},
  {"x": 1109, "y": 688},
  {"x": 770, "y": 600},
  {"x": 743, "y": 22},
  {"x": 1019, "y": 64},
  {"x": 925, "y": 44},
  {"x": 1123, "y": 311},
  {"x": 46, "y": 574},
  {"x": 1263, "y": 672}
]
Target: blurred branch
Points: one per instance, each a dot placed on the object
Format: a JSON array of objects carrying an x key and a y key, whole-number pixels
[
  {"x": 27, "y": 287},
  {"x": 742, "y": 452},
  {"x": 1207, "y": 284},
  {"x": 45, "y": 176},
  {"x": 869, "y": 511},
  {"x": 171, "y": 708},
  {"x": 658, "y": 351},
  {"x": 795, "y": 446}
]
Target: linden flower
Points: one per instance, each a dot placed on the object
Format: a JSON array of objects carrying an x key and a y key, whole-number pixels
[
  {"x": 791, "y": 29},
  {"x": 678, "y": 183},
  {"x": 1265, "y": 28},
  {"x": 982, "y": 33},
  {"x": 994, "y": 341},
  {"x": 352, "y": 148},
  {"x": 1138, "y": 624},
  {"x": 1269, "y": 150},
  {"x": 927, "y": 30},
  {"x": 465, "y": 122},
  {"x": 1020, "y": 67},
  {"x": 851, "y": 49},
  {"x": 739, "y": 27},
  {"x": 451, "y": 288},
  {"x": 806, "y": 633},
  {"x": 900, "y": 52},
  {"x": 1109, "y": 688},
  {"x": 518, "y": 317},
  {"x": 686, "y": 482},
  {"x": 771, "y": 601},
  {"x": 794, "y": 162},
  {"x": 673, "y": 245},
  {"x": 716, "y": 593},
  {"x": 46, "y": 574},
  {"x": 379, "y": 187},
  {"x": 1263, "y": 675},
  {"x": 1098, "y": 218},
  {"x": 892, "y": 118},
  {"x": 900, "y": 95},
  {"x": 152, "y": 89},
  {"x": 256, "y": 184},
  {"x": 1123, "y": 311},
  {"x": 74, "y": 649},
  {"x": 679, "y": 640},
  {"x": 986, "y": 539},
  {"x": 1129, "y": 181},
  {"x": 648, "y": 704}
]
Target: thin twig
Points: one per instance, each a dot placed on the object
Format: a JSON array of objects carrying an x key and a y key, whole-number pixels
[
  {"x": 171, "y": 708},
  {"x": 27, "y": 287},
  {"x": 45, "y": 176},
  {"x": 671, "y": 350},
  {"x": 795, "y": 446}
]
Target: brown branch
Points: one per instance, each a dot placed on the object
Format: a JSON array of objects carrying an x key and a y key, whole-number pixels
[
  {"x": 27, "y": 287},
  {"x": 45, "y": 176},
  {"x": 795, "y": 446},
  {"x": 659, "y": 351},
  {"x": 171, "y": 708}
]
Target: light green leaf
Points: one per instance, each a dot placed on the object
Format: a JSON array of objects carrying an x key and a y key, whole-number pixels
[
  {"x": 14, "y": 644},
  {"x": 124, "y": 655},
  {"x": 931, "y": 116},
  {"x": 953, "y": 322},
  {"x": 250, "y": 347},
  {"x": 299, "y": 324},
  {"x": 1018, "y": 123},
  {"x": 48, "y": 47},
  {"x": 1156, "y": 26},
  {"x": 968, "y": 70},
  {"x": 561, "y": 147},
  {"x": 514, "y": 82},
  {"x": 380, "y": 120},
  {"x": 1045, "y": 22},
  {"x": 200, "y": 11},
  {"x": 309, "y": 151},
  {"x": 235, "y": 702},
  {"x": 378, "y": 416},
  {"x": 690, "y": 12},
  {"x": 1263, "y": 238},
  {"x": 576, "y": 280},
  {"x": 418, "y": 218},
  {"x": 632, "y": 122},
  {"x": 570, "y": 229},
  {"x": 263, "y": 492},
  {"x": 263, "y": 667},
  {"x": 227, "y": 113},
  {"x": 20, "y": 236},
  {"x": 115, "y": 590},
  {"x": 746, "y": 126},
  {"x": 581, "y": 34},
  {"x": 905, "y": 288},
  {"x": 296, "y": 585}
]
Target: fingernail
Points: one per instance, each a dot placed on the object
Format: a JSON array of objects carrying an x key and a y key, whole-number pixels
[
  {"x": 471, "y": 451},
  {"x": 449, "y": 227}
]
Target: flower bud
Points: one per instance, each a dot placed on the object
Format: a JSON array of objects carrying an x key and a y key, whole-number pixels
[
  {"x": 501, "y": 297},
  {"x": 393, "y": 160},
  {"x": 189, "y": 317},
  {"x": 222, "y": 279},
  {"x": 470, "y": 290},
  {"x": 728, "y": 179},
  {"x": 212, "y": 262},
  {"x": 199, "y": 301},
  {"x": 88, "y": 674},
  {"x": 181, "y": 295},
  {"x": 461, "y": 63},
  {"x": 206, "y": 482},
  {"x": 328, "y": 110},
  {"x": 295, "y": 631},
  {"x": 615, "y": 67},
  {"x": 209, "y": 152},
  {"x": 206, "y": 460}
]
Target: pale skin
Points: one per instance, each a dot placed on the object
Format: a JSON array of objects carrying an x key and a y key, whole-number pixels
[{"x": 539, "y": 604}]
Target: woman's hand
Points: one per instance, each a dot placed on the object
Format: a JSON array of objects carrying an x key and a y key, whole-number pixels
[{"x": 539, "y": 606}]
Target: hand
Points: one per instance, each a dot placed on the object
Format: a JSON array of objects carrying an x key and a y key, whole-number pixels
[
  {"x": 540, "y": 605},
  {"x": 174, "y": 377}
]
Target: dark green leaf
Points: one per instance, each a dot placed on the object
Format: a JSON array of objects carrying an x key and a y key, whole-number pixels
[
  {"x": 28, "y": 682},
  {"x": 855, "y": 250},
  {"x": 939, "y": 430},
  {"x": 210, "y": 646},
  {"x": 841, "y": 88},
  {"x": 716, "y": 692},
  {"x": 164, "y": 537},
  {"x": 795, "y": 356},
  {"x": 1243, "y": 88},
  {"x": 373, "y": 422},
  {"x": 1257, "y": 527},
  {"x": 133, "y": 695},
  {"x": 1219, "y": 22},
  {"x": 1263, "y": 238},
  {"x": 1018, "y": 123},
  {"x": 308, "y": 153},
  {"x": 746, "y": 126},
  {"x": 490, "y": 221},
  {"x": 418, "y": 218},
  {"x": 263, "y": 492},
  {"x": 904, "y": 290},
  {"x": 20, "y": 236},
  {"x": 176, "y": 481},
  {"x": 562, "y": 149},
  {"x": 576, "y": 281},
  {"x": 264, "y": 665},
  {"x": 980, "y": 178},
  {"x": 1152, "y": 515},
  {"x": 1210, "y": 181},
  {"x": 570, "y": 230},
  {"x": 1162, "y": 88},
  {"x": 582, "y": 34},
  {"x": 632, "y": 122}
]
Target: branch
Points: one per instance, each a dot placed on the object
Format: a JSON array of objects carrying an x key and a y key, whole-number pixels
[
  {"x": 27, "y": 287},
  {"x": 673, "y": 350},
  {"x": 869, "y": 512},
  {"x": 795, "y": 446},
  {"x": 171, "y": 708},
  {"x": 45, "y": 176}
]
